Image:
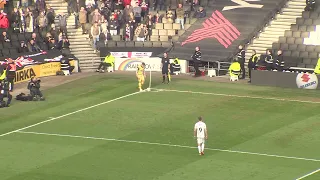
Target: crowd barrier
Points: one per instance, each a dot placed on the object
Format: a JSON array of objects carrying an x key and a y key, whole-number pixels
[
  {"x": 285, "y": 79},
  {"x": 41, "y": 70}
]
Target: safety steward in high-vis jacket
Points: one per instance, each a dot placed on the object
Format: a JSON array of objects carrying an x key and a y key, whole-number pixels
[
  {"x": 235, "y": 69},
  {"x": 108, "y": 62},
  {"x": 3, "y": 75},
  {"x": 11, "y": 72},
  {"x": 175, "y": 66},
  {"x": 252, "y": 62},
  {"x": 317, "y": 69}
]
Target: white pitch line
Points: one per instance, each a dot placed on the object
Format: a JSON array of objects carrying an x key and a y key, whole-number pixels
[
  {"x": 68, "y": 114},
  {"x": 171, "y": 145},
  {"x": 309, "y": 174},
  {"x": 238, "y": 96}
]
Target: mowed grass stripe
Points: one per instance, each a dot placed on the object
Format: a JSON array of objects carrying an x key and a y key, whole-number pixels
[{"x": 171, "y": 145}]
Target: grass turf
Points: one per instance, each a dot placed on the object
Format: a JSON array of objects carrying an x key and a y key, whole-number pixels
[{"x": 252, "y": 125}]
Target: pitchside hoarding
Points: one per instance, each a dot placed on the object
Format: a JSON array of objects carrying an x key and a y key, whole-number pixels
[
  {"x": 152, "y": 64},
  {"x": 285, "y": 79}
]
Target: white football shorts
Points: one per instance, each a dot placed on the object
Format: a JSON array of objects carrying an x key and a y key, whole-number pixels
[{"x": 200, "y": 140}]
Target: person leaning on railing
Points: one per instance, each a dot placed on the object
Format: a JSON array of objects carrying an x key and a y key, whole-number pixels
[{"x": 108, "y": 62}]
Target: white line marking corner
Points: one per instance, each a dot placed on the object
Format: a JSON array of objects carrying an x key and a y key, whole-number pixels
[
  {"x": 68, "y": 114},
  {"x": 309, "y": 174}
]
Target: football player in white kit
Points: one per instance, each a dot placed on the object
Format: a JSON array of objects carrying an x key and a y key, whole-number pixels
[{"x": 200, "y": 132}]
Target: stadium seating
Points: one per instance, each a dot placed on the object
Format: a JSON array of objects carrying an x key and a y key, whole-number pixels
[
  {"x": 242, "y": 27},
  {"x": 293, "y": 43},
  {"x": 11, "y": 49}
]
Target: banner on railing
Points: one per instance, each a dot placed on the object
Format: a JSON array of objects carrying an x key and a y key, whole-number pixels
[
  {"x": 131, "y": 64},
  {"x": 152, "y": 64}
]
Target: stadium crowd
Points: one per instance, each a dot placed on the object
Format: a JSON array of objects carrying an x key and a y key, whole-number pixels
[
  {"x": 33, "y": 20},
  {"x": 133, "y": 19}
]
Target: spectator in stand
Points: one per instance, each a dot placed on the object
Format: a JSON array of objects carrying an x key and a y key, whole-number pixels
[
  {"x": 170, "y": 16},
  {"x": 40, "y": 5},
  {"x": 160, "y": 3},
  {"x": 104, "y": 28},
  {"x": 113, "y": 26},
  {"x": 35, "y": 38},
  {"x": 126, "y": 13},
  {"x": 128, "y": 32},
  {"x": 22, "y": 20},
  {"x": 52, "y": 44},
  {"x": 4, "y": 38},
  {"x": 48, "y": 37},
  {"x": 4, "y": 22},
  {"x": 157, "y": 18},
  {"x": 50, "y": 15},
  {"x": 15, "y": 17},
  {"x": 30, "y": 22},
  {"x": 149, "y": 25},
  {"x": 33, "y": 47},
  {"x": 83, "y": 19},
  {"x": 53, "y": 31},
  {"x": 96, "y": 16},
  {"x": 201, "y": 13},
  {"x": 95, "y": 32},
  {"x": 104, "y": 11},
  {"x": 144, "y": 8},
  {"x": 91, "y": 3},
  {"x": 63, "y": 23},
  {"x": 141, "y": 32},
  {"x": 24, "y": 3},
  {"x": 23, "y": 47},
  {"x": 137, "y": 12},
  {"x": 42, "y": 21},
  {"x": 75, "y": 9},
  {"x": 119, "y": 16},
  {"x": 180, "y": 15},
  {"x": 118, "y": 5},
  {"x": 63, "y": 46}
]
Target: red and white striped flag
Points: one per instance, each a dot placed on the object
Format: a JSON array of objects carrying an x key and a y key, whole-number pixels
[{"x": 218, "y": 27}]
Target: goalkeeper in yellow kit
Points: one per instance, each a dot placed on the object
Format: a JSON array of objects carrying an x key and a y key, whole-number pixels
[{"x": 141, "y": 75}]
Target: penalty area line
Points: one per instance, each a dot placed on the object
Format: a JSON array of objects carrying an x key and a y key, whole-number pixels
[
  {"x": 170, "y": 145},
  {"x": 309, "y": 174},
  {"x": 238, "y": 96},
  {"x": 71, "y": 113}
]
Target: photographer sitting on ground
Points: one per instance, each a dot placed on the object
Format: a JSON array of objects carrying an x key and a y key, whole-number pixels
[
  {"x": 34, "y": 87},
  {"x": 5, "y": 93}
]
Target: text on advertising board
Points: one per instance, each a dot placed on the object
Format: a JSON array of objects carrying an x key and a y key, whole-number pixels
[{"x": 307, "y": 81}]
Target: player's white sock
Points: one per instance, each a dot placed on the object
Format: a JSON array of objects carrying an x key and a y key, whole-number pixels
[
  {"x": 202, "y": 147},
  {"x": 199, "y": 148}
]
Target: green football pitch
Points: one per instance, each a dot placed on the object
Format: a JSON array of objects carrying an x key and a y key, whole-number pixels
[{"x": 100, "y": 128}]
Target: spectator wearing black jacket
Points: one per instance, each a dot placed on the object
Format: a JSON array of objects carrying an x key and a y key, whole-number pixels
[
  {"x": 201, "y": 13},
  {"x": 63, "y": 46},
  {"x": 33, "y": 47},
  {"x": 279, "y": 62},
  {"x": 196, "y": 57}
]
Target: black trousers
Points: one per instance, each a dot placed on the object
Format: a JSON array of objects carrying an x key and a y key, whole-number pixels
[
  {"x": 6, "y": 95},
  {"x": 11, "y": 80},
  {"x": 251, "y": 67},
  {"x": 104, "y": 65},
  {"x": 196, "y": 68},
  {"x": 34, "y": 92},
  {"x": 243, "y": 70}
]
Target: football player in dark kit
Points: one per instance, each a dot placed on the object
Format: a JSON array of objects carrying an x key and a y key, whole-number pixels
[{"x": 165, "y": 67}]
